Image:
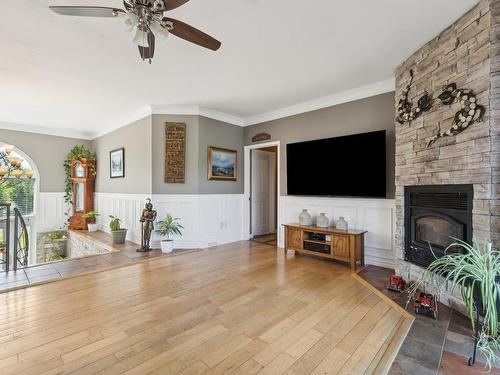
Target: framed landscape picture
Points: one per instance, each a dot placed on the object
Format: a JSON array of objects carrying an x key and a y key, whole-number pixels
[
  {"x": 117, "y": 163},
  {"x": 222, "y": 164}
]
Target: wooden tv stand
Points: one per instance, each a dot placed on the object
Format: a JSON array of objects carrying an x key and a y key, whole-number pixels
[{"x": 346, "y": 246}]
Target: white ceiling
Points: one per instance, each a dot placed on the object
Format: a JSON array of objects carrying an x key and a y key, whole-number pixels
[{"x": 82, "y": 76}]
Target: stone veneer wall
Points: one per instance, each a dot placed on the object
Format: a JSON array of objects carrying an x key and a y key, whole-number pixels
[{"x": 466, "y": 53}]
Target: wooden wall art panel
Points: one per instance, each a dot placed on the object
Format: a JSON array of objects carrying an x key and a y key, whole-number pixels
[{"x": 175, "y": 152}]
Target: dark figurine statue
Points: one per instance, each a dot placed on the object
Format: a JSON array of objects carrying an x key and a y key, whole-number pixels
[{"x": 147, "y": 222}]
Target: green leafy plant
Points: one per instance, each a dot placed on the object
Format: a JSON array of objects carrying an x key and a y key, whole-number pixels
[
  {"x": 53, "y": 255},
  {"x": 115, "y": 223},
  {"x": 76, "y": 153},
  {"x": 3, "y": 246},
  {"x": 169, "y": 227},
  {"x": 53, "y": 243},
  {"x": 55, "y": 235},
  {"x": 91, "y": 215},
  {"x": 476, "y": 273}
]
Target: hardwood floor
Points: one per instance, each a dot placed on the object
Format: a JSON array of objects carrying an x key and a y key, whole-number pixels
[{"x": 243, "y": 308}]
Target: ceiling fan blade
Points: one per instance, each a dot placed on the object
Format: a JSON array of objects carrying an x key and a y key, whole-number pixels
[
  {"x": 193, "y": 35},
  {"x": 166, "y": 5},
  {"x": 148, "y": 53},
  {"x": 86, "y": 11}
]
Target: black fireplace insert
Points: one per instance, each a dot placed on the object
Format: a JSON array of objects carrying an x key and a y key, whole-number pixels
[{"x": 434, "y": 217}]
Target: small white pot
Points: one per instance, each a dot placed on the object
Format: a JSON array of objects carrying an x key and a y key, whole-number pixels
[
  {"x": 93, "y": 227},
  {"x": 167, "y": 246}
]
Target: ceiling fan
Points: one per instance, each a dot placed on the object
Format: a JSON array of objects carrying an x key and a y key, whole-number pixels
[{"x": 146, "y": 18}]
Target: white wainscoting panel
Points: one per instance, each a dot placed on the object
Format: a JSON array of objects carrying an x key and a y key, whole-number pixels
[
  {"x": 208, "y": 220},
  {"x": 127, "y": 207},
  {"x": 374, "y": 215},
  {"x": 52, "y": 212}
]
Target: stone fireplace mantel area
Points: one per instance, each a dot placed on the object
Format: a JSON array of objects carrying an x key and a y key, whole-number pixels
[{"x": 468, "y": 54}]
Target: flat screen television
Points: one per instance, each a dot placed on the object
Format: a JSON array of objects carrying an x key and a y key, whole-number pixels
[{"x": 349, "y": 166}]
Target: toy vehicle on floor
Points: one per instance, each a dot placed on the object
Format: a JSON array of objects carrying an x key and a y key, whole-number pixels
[
  {"x": 426, "y": 304},
  {"x": 396, "y": 284}
]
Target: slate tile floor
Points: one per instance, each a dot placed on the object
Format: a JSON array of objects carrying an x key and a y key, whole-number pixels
[
  {"x": 432, "y": 347},
  {"x": 121, "y": 255}
]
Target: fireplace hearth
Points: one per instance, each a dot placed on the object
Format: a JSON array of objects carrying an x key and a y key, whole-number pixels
[{"x": 434, "y": 217}]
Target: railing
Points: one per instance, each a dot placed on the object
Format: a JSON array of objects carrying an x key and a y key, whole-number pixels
[
  {"x": 17, "y": 242},
  {"x": 21, "y": 241},
  {"x": 5, "y": 228}
]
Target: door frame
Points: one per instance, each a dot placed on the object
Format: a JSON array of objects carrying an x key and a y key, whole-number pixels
[{"x": 247, "y": 208}]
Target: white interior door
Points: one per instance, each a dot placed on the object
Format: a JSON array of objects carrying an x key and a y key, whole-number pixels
[{"x": 262, "y": 192}]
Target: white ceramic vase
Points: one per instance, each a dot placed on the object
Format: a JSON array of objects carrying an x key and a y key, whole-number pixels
[
  {"x": 341, "y": 224},
  {"x": 322, "y": 221},
  {"x": 305, "y": 218}
]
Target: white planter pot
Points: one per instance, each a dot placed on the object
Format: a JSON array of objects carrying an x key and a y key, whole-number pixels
[
  {"x": 93, "y": 227},
  {"x": 167, "y": 246}
]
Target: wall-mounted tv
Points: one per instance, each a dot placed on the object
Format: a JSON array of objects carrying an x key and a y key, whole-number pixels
[{"x": 349, "y": 166}]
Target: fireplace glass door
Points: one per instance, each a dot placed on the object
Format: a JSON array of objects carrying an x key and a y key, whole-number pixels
[{"x": 437, "y": 231}]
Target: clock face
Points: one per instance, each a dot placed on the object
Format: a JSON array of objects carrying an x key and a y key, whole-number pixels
[{"x": 79, "y": 170}]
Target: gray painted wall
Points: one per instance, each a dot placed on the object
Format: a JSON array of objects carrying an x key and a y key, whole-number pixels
[
  {"x": 365, "y": 115},
  {"x": 48, "y": 152},
  {"x": 191, "y": 186},
  {"x": 144, "y": 143},
  {"x": 136, "y": 139},
  {"x": 219, "y": 134}
]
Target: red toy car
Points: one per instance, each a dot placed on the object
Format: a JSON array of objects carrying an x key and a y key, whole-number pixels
[
  {"x": 426, "y": 304},
  {"x": 396, "y": 284}
]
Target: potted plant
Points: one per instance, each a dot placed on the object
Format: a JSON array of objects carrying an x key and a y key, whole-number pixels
[
  {"x": 119, "y": 233},
  {"x": 92, "y": 226},
  {"x": 3, "y": 247},
  {"x": 476, "y": 273},
  {"x": 166, "y": 228}
]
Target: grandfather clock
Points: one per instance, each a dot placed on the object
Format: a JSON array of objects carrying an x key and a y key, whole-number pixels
[{"x": 83, "y": 180}]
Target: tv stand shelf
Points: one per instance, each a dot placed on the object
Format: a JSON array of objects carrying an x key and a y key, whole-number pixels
[{"x": 345, "y": 246}]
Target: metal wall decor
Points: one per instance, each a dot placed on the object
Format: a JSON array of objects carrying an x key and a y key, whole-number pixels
[
  {"x": 469, "y": 113},
  {"x": 405, "y": 111}
]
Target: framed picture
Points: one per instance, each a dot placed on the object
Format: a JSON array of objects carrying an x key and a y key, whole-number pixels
[
  {"x": 222, "y": 164},
  {"x": 117, "y": 163}
]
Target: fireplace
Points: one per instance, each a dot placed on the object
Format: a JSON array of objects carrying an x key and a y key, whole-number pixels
[{"x": 434, "y": 217}]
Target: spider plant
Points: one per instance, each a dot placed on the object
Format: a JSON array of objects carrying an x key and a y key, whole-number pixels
[{"x": 476, "y": 273}]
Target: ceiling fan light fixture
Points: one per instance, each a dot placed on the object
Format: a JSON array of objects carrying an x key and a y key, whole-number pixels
[
  {"x": 147, "y": 20},
  {"x": 131, "y": 21},
  {"x": 159, "y": 31},
  {"x": 141, "y": 37}
]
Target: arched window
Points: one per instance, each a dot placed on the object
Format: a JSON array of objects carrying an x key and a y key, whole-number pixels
[{"x": 17, "y": 179}]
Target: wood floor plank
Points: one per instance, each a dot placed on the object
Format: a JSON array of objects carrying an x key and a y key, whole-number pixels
[{"x": 242, "y": 308}]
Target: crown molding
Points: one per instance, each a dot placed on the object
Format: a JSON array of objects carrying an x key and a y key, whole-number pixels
[
  {"x": 373, "y": 89},
  {"x": 46, "y": 130},
  {"x": 221, "y": 116},
  {"x": 125, "y": 120},
  {"x": 197, "y": 110}
]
